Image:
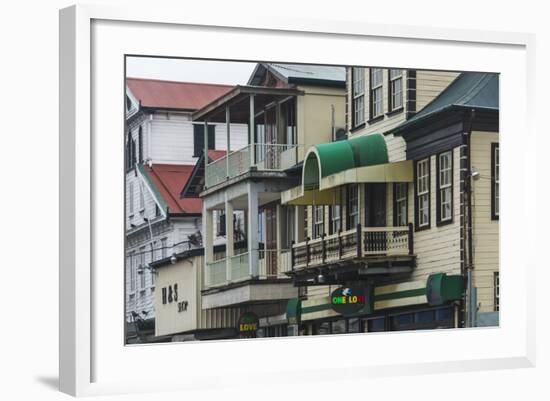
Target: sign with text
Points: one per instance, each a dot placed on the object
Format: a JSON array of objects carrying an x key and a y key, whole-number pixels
[
  {"x": 248, "y": 322},
  {"x": 349, "y": 300}
]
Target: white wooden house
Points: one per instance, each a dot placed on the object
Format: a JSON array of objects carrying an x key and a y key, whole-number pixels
[{"x": 162, "y": 147}]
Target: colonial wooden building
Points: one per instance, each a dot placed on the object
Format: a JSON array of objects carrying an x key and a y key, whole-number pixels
[
  {"x": 378, "y": 187},
  {"x": 405, "y": 211},
  {"x": 162, "y": 146}
]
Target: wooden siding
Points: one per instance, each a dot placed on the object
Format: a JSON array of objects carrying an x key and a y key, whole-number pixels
[
  {"x": 429, "y": 84},
  {"x": 485, "y": 230},
  {"x": 438, "y": 248},
  {"x": 173, "y": 140}
]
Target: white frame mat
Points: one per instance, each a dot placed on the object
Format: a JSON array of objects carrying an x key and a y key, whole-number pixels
[{"x": 93, "y": 42}]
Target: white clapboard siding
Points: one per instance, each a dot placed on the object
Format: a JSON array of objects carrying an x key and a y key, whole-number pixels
[
  {"x": 485, "y": 230},
  {"x": 173, "y": 140}
]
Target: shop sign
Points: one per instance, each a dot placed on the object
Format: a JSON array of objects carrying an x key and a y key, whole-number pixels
[
  {"x": 248, "y": 322},
  {"x": 349, "y": 300}
]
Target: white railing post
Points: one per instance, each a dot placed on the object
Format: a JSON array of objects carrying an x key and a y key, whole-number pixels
[
  {"x": 229, "y": 243},
  {"x": 227, "y": 132},
  {"x": 252, "y": 230},
  {"x": 252, "y": 132}
]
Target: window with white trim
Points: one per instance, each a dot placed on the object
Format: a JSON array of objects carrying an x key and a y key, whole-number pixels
[
  {"x": 131, "y": 198},
  {"x": 132, "y": 266},
  {"x": 396, "y": 89},
  {"x": 400, "y": 203},
  {"x": 142, "y": 270},
  {"x": 376, "y": 106},
  {"x": 445, "y": 184},
  {"x": 358, "y": 95},
  {"x": 335, "y": 219},
  {"x": 141, "y": 199},
  {"x": 318, "y": 221},
  {"x": 164, "y": 247},
  {"x": 423, "y": 193},
  {"x": 352, "y": 206}
]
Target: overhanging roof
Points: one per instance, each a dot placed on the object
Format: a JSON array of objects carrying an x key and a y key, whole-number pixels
[
  {"x": 329, "y": 166},
  {"x": 238, "y": 100},
  {"x": 470, "y": 90}
]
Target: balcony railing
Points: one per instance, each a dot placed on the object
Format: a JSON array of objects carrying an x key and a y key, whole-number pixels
[
  {"x": 356, "y": 243},
  {"x": 272, "y": 264},
  {"x": 268, "y": 157}
]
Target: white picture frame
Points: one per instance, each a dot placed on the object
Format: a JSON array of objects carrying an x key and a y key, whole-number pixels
[{"x": 93, "y": 358}]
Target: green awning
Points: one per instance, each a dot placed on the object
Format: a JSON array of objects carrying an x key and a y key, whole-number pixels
[{"x": 327, "y": 159}]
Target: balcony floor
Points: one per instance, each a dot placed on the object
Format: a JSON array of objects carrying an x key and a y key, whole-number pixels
[
  {"x": 251, "y": 291},
  {"x": 354, "y": 269}
]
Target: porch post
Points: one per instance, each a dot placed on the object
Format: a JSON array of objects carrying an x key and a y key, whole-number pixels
[
  {"x": 229, "y": 244},
  {"x": 208, "y": 240},
  {"x": 205, "y": 134},
  {"x": 252, "y": 127},
  {"x": 278, "y": 219},
  {"x": 227, "y": 131},
  {"x": 252, "y": 230}
]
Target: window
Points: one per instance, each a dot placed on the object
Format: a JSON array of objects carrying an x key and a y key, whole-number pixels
[
  {"x": 128, "y": 103},
  {"x": 289, "y": 213},
  {"x": 220, "y": 223},
  {"x": 400, "y": 204},
  {"x": 396, "y": 89},
  {"x": 198, "y": 138},
  {"x": 358, "y": 94},
  {"x": 423, "y": 193},
  {"x": 132, "y": 266},
  {"x": 318, "y": 221},
  {"x": 306, "y": 234},
  {"x": 157, "y": 210},
  {"x": 288, "y": 110},
  {"x": 130, "y": 150},
  {"x": 141, "y": 199},
  {"x": 496, "y": 279},
  {"x": 495, "y": 180},
  {"x": 376, "y": 108},
  {"x": 131, "y": 198},
  {"x": 152, "y": 259},
  {"x": 445, "y": 187},
  {"x": 142, "y": 268},
  {"x": 352, "y": 206},
  {"x": 335, "y": 219},
  {"x": 164, "y": 247},
  {"x": 140, "y": 144}
]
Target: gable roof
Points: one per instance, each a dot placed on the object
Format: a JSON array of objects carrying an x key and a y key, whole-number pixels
[
  {"x": 301, "y": 73},
  {"x": 166, "y": 180},
  {"x": 162, "y": 94},
  {"x": 470, "y": 90}
]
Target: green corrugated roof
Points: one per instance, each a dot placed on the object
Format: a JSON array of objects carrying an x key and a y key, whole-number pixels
[{"x": 472, "y": 90}]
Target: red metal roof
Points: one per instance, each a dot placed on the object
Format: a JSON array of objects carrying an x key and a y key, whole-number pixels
[
  {"x": 169, "y": 179},
  {"x": 173, "y": 94},
  {"x": 215, "y": 154}
]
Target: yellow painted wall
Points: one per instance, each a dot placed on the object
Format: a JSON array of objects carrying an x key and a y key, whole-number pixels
[
  {"x": 188, "y": 275},
  {"x": 438, "y": 248},
  {"x": 315, "y": 117},
  {"x": 485, "y": 230}
]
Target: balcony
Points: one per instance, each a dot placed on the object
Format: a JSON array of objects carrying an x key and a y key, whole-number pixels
[
  {"x": 268, "y": 157},
  {"x": 273, "y": 264},
  {"x": 364, "y": 250}
]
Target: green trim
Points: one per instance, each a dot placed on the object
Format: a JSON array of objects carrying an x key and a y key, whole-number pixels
[
  {"x": 162, "y": 204},
  {"x": 294, "y": 310},
  {"x": 400, "y": 294},
  {"x": 315, "y": 308},
  {"x": 325, "y": 159}
]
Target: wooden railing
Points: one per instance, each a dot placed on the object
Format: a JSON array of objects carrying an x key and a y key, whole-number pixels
[
  {"x": 352, "y": 244},
  {"x": 268, "y": 157}
]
